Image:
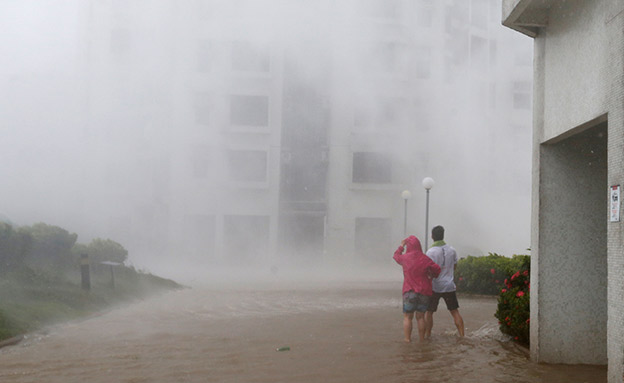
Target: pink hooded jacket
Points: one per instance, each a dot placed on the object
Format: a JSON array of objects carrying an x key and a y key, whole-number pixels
[{"x": 418, "y": 269}]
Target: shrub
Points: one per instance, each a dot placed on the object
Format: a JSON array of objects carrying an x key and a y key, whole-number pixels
[
  {"x": 513, "y": 312},
  {"x": 100, "y": 250},
  {"x": 486, "y": 275}
]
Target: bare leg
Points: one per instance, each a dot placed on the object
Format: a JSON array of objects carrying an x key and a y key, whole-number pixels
[
  {"x": 459, "y": 321},
  {"x": 407, "y": 326},
  {"x": 428, "y": 323},
  {"x": 420, "y": 321}
]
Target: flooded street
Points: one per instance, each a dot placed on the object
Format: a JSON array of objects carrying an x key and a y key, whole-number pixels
[{"x": 343, "y": 333}]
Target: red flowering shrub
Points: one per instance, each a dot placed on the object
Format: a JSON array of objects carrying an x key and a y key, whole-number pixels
[
  {"x": 513, "y": 312},
  {"x": 498, "y": 275}
]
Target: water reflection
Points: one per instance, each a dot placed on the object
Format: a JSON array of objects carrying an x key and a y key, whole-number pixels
[{"x": 483, "y": 356}]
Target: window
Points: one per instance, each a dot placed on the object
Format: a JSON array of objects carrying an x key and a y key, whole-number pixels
[
  {"x": 200, "y": 160},
  {"x": 248, "y": 57},
  {"x": 247, "y": 165},
  {"x": 205, "y": 54},
  {"x": 522, "y": 95},
  {"x": 373, "y": 238},
  {"x": 371, "y": 167},
  {"x": 202, "y": 104},
  {"x": 249, "y": 110}
]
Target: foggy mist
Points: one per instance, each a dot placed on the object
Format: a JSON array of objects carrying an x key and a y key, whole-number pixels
[{"x": 268, "y": 135}]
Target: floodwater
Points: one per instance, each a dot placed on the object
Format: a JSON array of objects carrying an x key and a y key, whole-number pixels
[{"x": 336, "y": 333}]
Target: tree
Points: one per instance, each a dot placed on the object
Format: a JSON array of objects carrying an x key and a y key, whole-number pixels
[
  {"x": 51, "y": 245},
  {"x": 14, "y": 246}
]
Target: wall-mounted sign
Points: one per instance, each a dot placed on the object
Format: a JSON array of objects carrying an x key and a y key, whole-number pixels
[{"x": 615, "y": 203}]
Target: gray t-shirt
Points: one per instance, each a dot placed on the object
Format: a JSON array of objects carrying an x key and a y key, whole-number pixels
[{"x": 446, "y": 257}]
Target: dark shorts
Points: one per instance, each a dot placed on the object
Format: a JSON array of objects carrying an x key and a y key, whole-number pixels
[
  {"x": 449, "y": 298},
  {"x": 415, "y": 302}
]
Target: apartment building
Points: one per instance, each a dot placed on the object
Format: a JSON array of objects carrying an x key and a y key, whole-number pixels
[{"x": 251, "y": 132}]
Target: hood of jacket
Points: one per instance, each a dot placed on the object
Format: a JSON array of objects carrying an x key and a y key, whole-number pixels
[{"x": 412, "y": 244}]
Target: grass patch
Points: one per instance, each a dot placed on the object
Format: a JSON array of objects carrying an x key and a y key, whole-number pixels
[{"x": 31, "y": 299}]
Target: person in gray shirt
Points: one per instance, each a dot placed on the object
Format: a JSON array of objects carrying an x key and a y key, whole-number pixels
[{"x": 444, "y": 285}]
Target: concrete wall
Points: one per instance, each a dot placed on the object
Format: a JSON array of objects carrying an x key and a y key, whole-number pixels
[{"x": 573, "y": 250}]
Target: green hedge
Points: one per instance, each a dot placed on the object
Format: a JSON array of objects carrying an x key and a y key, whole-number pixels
[{"x": 486, "y": 275}]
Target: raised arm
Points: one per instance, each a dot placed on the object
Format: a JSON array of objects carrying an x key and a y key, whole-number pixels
[{"x": 399, "y": 252}]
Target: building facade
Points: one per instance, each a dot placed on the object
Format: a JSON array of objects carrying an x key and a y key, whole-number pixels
[
  {"x": 577, "y": 264},
  {"x": 290, "y": 136},
  {"x": 221, "y": 133}
]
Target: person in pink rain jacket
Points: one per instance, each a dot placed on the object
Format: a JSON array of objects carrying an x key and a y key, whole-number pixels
[{"x": 418, "y": 271}]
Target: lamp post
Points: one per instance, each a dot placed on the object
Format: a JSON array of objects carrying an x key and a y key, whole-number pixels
[
  {"x": 427, "y": 184},
  {"x": 405, "y": 194}
]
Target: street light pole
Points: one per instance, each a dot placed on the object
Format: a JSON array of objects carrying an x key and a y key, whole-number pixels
[
  {"x": 427, "y": 184},
  {"x": 405, "y": 195}
]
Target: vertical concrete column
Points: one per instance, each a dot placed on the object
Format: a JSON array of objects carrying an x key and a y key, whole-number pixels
[
  {"x": 275, "y": 149},
  {"x": 340, "y": 220},
  {"x": 615, "y": 250},
  {"x": 538, "y": 128}
]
